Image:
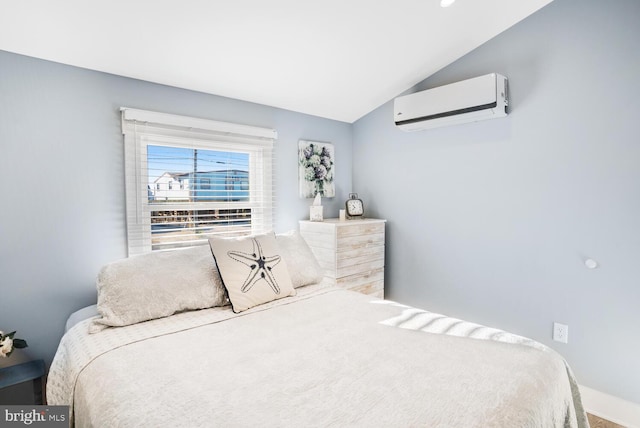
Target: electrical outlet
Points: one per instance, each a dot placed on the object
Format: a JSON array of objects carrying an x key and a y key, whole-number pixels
[{"x": 560, "y": 332}]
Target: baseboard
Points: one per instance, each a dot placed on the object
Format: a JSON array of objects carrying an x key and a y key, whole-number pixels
[{"x": 611, "y": 408}]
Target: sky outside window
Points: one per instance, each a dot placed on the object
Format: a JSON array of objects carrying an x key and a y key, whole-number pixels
[{"x": 161, "y": 159}]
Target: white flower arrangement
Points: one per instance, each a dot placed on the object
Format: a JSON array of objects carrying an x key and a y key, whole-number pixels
[
  {"x": 8, "y": 343},
  {"x": 316, "y": 163}
]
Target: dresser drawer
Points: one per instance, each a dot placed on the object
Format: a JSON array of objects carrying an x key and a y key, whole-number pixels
[
  {"x": 347, "y": 243},
  {"x": 359, "y": 256},
  {"x": 369, "y": 282},
  {"x": 374, "y": 289},
  {"x": 360, "y": 229},
  {"x": 330, "y": 260},
  {"x": 360, "y": 268}
]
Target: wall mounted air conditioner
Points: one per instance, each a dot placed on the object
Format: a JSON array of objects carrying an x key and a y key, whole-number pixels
[{"x": 480, "y": 98}]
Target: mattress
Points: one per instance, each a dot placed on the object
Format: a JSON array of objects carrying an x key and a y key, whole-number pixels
[
  {"x": 326, "y": 357},
  {"x": 82, "y": 314}
]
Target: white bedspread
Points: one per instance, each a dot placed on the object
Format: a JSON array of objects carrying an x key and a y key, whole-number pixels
[{"x": 326, "y": 357}]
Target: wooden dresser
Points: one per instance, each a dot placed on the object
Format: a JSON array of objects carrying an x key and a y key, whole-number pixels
[{"x": 351, "y": 252}]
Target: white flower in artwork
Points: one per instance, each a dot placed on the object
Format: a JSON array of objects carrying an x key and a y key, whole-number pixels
[
  {"x": 310, "y": 174},
  {"x": 315, "y": 161}
]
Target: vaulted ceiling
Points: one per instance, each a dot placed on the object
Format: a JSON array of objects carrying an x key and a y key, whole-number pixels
[{"x": 337, "y": 59}]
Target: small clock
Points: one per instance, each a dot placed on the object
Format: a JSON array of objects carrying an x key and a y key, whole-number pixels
[{"x": 355, "y": 208}]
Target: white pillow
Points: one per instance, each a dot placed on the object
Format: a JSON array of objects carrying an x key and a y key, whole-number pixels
[
  {"x": 157, "y": 285},
  {"x": 252, "y": 269},
  {"x": 303, "y": 267}
]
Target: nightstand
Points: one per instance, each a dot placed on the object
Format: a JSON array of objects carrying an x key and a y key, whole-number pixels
[
  {"x": 350, "y": 251},
  {"x": 30, "y": 371}
]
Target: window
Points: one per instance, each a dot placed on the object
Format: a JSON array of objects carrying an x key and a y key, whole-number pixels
[{"x": 224, "y": 173}]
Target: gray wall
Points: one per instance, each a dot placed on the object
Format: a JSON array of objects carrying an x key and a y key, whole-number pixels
[
  {"x": 492, "y": 221},
  {"x": 62, "y": 213}
]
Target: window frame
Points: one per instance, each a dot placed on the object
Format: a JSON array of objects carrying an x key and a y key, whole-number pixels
[{"x": 142, "y": 128}]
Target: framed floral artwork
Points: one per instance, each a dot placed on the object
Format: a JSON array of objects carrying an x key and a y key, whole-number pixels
[{"x": 316, "y": 169}]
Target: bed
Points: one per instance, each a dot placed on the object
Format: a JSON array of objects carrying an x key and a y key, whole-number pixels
[{"x": 322, "y": 357}]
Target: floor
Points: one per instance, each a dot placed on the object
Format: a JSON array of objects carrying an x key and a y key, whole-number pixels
[{"x": 597, "y": 422}]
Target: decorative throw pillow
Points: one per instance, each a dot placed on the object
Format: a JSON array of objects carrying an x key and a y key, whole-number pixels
[
  {"x": 157, "y": 285},
  {"x": 252, "y": 269},
  {"x": 303, "y": 267}
]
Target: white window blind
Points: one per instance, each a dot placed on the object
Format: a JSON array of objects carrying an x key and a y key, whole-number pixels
[{"x": 188, "y": 178}]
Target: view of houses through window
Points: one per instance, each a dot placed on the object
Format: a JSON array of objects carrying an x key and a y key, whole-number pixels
[{"x": 193, "y": 193}]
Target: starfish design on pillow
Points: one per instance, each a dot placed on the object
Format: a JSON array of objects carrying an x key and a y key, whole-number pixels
[{"x": 260, "y": 266}]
